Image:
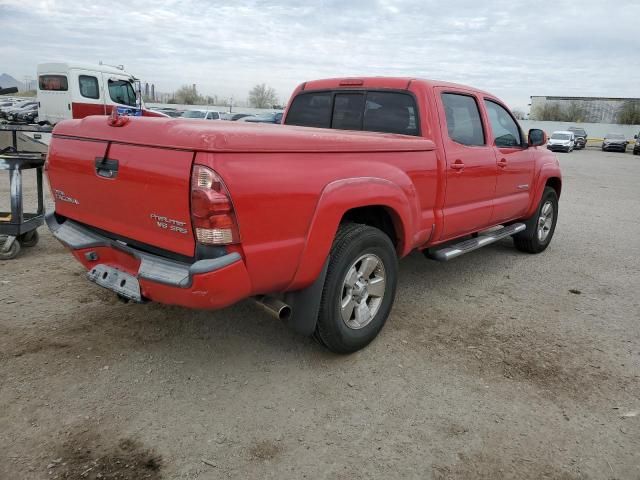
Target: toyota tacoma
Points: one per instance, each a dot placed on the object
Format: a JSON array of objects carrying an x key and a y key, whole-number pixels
[{"x": 308, "y": 218}]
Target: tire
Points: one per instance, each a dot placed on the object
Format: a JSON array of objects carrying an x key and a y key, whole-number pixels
[
  {"x": 29, "y": 239},
  {"x": 540, "y": 228},
  {"x": 351, "y": 273},
  {"x": 13, "y": 251}
]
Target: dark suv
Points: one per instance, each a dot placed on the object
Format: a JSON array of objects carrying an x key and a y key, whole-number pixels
[
  {"x": 636, "y": 147},
  {"x": 581, "y": 137}
]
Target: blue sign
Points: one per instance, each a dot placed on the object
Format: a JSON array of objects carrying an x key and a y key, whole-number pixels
[{"x": 129, "y": 111}]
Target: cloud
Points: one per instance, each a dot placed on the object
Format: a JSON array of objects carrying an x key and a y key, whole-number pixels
[{"x": 513, "y": 49}]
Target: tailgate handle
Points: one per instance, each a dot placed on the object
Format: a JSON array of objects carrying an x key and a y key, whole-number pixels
[{"x": 106, "y": 167}]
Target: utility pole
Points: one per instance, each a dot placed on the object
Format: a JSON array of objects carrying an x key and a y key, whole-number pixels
[{"x": 27, "y": 82}]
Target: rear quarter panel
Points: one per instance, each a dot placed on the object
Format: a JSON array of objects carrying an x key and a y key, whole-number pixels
[{"x": 278, "y": 197}]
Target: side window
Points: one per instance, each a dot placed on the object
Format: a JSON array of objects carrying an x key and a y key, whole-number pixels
[
  {"x": 89, "y": 86},
  {"x": 463, "y": 119},
  {"x": 390, "y": 112},
  {"x": 348, "y": 109},
  {"x": 122, "y": 92},
  {"x": 506, "y": 132},
  {"x": 53, "y": 82},
  {"x": 311, "y": 110}
]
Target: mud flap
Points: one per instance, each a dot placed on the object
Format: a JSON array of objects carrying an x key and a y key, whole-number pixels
[{"x": 305, "y": 304}]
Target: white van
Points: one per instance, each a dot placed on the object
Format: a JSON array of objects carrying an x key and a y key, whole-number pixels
[{"x": 71, "y": 90}]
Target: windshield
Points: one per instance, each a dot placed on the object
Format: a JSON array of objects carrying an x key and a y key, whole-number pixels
[
  {"x": 194, "y": 114},
  {"x": 121, "y": 91},
  {"x": 615, "y": 136},
  {"x": 561, "y": 136}
]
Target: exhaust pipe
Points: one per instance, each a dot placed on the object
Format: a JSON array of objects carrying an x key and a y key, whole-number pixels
[{"x": 274, "y": 306}]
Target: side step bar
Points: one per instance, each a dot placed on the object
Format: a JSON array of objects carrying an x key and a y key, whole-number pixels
[{"x": 457, "y": 249}]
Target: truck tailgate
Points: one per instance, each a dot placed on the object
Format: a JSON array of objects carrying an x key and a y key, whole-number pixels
[{"x": 135, "y": 192}]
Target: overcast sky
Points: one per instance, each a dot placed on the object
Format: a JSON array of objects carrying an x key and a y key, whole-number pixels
[{"x": 513, "y": 49}]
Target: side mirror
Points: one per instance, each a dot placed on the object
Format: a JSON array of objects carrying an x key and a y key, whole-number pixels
[{"x": 537, "y": 137}]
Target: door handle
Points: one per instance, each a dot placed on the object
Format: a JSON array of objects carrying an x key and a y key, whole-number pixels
[
  {"x": 457, "y": 165},
  {"x": 502, "y": 162}
]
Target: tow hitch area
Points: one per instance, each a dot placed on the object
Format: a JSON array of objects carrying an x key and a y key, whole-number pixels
[{"x": 117, "y": 281}]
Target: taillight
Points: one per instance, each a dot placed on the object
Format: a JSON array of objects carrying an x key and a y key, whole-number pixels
[{"x": 212, "y": 215}]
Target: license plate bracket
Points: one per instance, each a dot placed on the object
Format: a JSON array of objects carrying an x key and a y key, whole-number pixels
[{"x": 117, "y": 281}]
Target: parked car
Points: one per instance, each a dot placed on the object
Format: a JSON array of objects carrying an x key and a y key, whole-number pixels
[
  {"x": 27, "y": 114},
  {"x": 12, "y": 115},
  {"x": 310, "y": 222},
  {"x": 272, "y": 117},
  {"x": 636, "y": 146},
  {"x": 561, "y": 141},
  {"x": 614, "y": 141},
  {"x": 5, "y": 111},
  {"x": 580, "y": 135},
  {"x": 168, "y": 111},
  {"x": 201, "y": 114},
  {"x": 234, "y": 117},
  {"x": 172, "y": 112}
]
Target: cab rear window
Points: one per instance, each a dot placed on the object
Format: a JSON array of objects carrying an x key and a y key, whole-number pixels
[
  {"x": 53, "y": 82},
  {"x": 373, "y": 111}
]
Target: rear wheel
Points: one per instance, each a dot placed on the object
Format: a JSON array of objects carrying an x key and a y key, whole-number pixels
[
  {"x": 359, "y": 289},
  {"x": 541, "y": 226}
]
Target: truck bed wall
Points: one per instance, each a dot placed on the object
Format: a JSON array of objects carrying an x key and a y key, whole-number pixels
[{"x": 280, "y": 197}]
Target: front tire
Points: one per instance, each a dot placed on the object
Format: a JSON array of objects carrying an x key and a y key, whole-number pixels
[
  {"x": 540, "y": 226},
  {"x": 359, "y": 289}
]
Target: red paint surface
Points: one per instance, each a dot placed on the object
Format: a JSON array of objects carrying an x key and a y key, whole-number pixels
[{"x": 291, "y": 186}]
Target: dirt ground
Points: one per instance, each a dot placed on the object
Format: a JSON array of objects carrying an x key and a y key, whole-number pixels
[{"x": 496, "y": 365}]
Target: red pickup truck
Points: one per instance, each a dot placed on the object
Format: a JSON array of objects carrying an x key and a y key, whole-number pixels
[{"x": 308, "y": 218}]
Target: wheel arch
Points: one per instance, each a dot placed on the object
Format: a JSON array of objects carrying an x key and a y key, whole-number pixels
[
  {"x": 369, "y": 200},
  {"x": 555, "y": 183},
  {"x": 549, "y": 175}
]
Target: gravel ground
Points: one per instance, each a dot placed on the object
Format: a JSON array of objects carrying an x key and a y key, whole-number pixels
[{"x": 497, "y": 365}]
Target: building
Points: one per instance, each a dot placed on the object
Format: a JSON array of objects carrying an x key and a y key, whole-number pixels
[{"x": 583, "y": 109}]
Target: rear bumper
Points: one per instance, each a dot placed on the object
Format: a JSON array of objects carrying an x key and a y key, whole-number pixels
[{"x": 204, "y": 284}]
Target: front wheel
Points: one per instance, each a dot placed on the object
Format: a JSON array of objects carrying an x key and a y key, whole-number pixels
[
  {"x": 359, "y": 289},
  {"x": 541, "y": 226}
]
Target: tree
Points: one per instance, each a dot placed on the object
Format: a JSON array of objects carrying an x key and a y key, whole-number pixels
[
  {"x": 519, "y": 114},
  {"x": 187, "y": 95},
  {"x": 549, "y": 112},
  {"x": 629, "y": 114},
  {"x": 262, "y": 96},
  {"x": 575, "y": 113}
]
